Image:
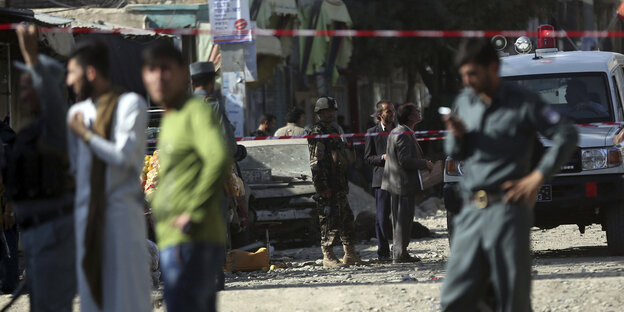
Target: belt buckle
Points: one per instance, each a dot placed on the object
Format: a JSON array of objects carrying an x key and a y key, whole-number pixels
[{"x": 481, "y": 199}]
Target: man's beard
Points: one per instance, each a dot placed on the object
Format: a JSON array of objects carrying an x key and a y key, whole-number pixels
[
  {"x": 387, "y": 121},
  {"x": 85, "y": 90}
]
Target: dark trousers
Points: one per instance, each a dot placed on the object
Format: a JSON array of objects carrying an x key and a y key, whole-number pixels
[
  {"x": 383, "y": 226},
  {"x": 489, "y": 245},
  {"x": 10, "y": 264},
  {"x": 50, "y": 260}
]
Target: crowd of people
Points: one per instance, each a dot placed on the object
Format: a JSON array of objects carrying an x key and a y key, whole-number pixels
[{"x": 71, "y": 181}]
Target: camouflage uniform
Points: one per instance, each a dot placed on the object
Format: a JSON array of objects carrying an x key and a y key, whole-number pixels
[{"x": 329, "y": 163}]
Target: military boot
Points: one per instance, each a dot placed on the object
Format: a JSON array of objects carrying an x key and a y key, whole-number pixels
[
  {"x": 350, "y": 256},
  {"x": 329, "y": 258}
]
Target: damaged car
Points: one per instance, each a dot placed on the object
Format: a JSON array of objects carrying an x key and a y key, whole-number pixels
[{"x": 281, "y": 204}]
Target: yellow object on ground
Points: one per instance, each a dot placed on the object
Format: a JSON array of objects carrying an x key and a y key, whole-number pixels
[{"x": 238, "y": 260}]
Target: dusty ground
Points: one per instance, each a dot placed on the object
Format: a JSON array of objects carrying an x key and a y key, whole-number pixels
[{"x": 571, "y": 272}]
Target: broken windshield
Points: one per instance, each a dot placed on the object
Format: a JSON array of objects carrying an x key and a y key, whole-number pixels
[{"x": 583, "y": 97}]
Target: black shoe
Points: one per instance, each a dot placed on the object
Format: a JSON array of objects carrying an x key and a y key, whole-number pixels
[
  {"x": 384, "y": 259},
  {"x": 406, "y": 259}
]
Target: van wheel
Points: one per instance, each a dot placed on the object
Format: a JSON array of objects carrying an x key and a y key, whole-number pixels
[{"x": 614, "y": 221}]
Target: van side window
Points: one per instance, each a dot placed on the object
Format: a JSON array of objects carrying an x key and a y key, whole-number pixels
[
  {"x": 618, "y": 84},
  {"x": 619, "y": 98}
]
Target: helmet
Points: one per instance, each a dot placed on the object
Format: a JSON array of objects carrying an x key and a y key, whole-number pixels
[{"x": 325, "y": 102}]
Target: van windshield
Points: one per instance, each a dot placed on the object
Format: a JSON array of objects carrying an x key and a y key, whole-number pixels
[{"x": 582, "y": 97}]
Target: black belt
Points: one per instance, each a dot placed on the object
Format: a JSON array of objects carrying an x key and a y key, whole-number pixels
[
  {"x": 483, "y": 199},
  {"x": 36, "y": 220}
]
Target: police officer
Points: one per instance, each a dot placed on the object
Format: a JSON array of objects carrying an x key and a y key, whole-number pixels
[
  {"x": 203, "y": 76},
  {"x": 329, "y": 159},
  {"x": 203, "y": 80},
  {"x": 493, "y": 130}
]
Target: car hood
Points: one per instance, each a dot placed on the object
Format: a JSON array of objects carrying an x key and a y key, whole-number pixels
[
  {"x": 592, "y": 136},
  {"x": 282, "y": 189}
]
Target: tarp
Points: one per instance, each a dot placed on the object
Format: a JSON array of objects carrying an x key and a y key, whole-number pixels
[{"x": 331, "y": 11}]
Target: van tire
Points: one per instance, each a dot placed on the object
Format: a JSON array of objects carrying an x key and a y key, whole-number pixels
[{"x": 614, "y": 221}]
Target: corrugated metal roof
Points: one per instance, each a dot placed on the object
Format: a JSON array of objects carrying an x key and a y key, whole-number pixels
[{"x": 52, "y": 20}]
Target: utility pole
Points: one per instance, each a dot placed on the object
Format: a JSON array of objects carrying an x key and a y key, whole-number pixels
[{"x": 230, "y": 21}]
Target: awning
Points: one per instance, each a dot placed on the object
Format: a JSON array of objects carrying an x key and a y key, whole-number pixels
[{"x": 52, "y": 20}]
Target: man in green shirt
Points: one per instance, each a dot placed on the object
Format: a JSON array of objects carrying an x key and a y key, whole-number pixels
[
  {"x": 493, "y": 130},
  {"x": 193, "y": 165}
]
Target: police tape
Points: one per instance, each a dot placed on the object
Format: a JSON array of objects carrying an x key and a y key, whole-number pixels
[
  {"x": 326, "y": 33},
  {"x": 417, "y": 139},
  {"x": 422, "y": 135}
]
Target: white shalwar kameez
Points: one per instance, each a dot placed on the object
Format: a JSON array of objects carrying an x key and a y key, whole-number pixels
[{"x": 125, "y": 267}]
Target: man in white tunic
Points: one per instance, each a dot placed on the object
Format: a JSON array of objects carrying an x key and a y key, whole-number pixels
[{"x": 106, "y": 148}]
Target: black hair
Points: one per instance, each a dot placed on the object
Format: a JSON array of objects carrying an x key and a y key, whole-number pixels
[
  {"x": 92, "y": 52},
  {"x": 267, "y": 117},
  {"x": 379, "y": 105},
  {"x": 162, "y": 49},
  {"x": 476, "y": 50},
  {"x": 294, "y": 115},
  {"x": 404, "y": 111},
  {"x": 203, "y": 79}
]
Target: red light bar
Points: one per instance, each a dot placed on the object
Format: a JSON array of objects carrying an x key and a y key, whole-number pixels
[{"x": 545, "y": 37}]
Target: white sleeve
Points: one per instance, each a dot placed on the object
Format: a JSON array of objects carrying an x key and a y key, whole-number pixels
[
  {"x": 72, "y": 143},
  {"x": 131, "y": 120}
]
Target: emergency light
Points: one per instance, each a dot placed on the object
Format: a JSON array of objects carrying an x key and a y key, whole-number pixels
[{"x": 545, "y": 37}]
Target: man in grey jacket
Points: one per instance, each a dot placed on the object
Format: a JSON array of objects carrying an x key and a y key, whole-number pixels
[{"x": 401, "y": 177}]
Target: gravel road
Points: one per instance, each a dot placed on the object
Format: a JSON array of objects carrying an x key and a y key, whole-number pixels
[{"x": 571, "y": 272}]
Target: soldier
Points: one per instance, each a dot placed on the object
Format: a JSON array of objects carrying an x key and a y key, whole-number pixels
[
  {"x": 329, "y": 159},
  {"x": 493, "y": 131}
]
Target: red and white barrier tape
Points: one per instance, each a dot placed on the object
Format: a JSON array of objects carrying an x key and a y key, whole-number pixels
[
  {"x": 417, "y": 139},
  {"x": 327, "y": 33},
  {"x": 421, "y": 135},
  {"x": 344, "y": 135}
]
